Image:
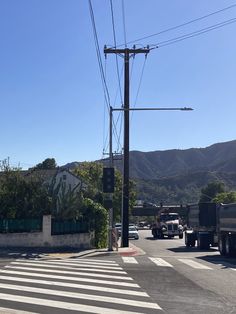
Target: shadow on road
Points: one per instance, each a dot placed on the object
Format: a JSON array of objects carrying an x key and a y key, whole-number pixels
[
  {"x": 29, "y": 253},
  {"x": 183, "y": 249},
  {"x": 155, "y": 239},
  {"x": 223, "y": 262}
]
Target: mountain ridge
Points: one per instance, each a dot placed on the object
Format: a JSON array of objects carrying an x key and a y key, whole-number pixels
[{"x": 177, "y": 175}]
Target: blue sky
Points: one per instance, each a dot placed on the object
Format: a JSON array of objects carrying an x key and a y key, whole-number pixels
[{"x": 51, "y": 95}]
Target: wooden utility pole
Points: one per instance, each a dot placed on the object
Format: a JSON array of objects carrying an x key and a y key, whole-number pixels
[{"x": 126, "y": 53}]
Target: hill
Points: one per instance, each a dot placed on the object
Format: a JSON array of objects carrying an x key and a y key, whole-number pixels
[{"x": 177, "y": 176}]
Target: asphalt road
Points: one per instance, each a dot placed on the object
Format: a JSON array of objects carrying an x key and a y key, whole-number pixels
[
  {"x": 193, "y": 281},
  {"x": 166, "y": 278}
]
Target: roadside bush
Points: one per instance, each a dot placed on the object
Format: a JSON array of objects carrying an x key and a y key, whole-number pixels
[{"x": 97, "y": 218}]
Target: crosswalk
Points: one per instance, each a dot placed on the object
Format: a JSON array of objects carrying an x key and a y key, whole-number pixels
[
  {"x": 79, "y": 285},
  {"x": 34, "y": 286},
  {"x": 189, "y": 262}
]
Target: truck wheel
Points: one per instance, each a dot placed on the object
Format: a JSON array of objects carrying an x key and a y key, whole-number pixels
[
  {"x": 222, "y": 247},
  {"x": 192, "y": 243},
  {"x": 187, "y": 240},
  {"x": 229, "y": 247},
  {"x": 203, "y": 241}
]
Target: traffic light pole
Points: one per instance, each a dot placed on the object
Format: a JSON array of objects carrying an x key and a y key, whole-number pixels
[
  {"x": 125, "y": 199},
  {"x": 110, "y": 248}
]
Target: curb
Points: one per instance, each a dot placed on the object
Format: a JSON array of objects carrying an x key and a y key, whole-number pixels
[{"x": 132, "y": 250}]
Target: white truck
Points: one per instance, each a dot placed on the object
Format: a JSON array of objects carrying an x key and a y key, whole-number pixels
[{"x": 168, "y": 225}]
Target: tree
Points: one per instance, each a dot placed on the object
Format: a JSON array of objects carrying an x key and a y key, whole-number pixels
[
  {"x": 91, "y": 173},
  {"x": 21, "y": 198},
  {"x": 48, "y": 163},
  {"x": 225, "y": 197},
  {"x": 211, "y": 190}
]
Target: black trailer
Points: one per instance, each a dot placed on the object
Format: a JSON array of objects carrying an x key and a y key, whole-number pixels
[
  {"x": 201, "y": 225},
  {"x": 227, "y": 229}
]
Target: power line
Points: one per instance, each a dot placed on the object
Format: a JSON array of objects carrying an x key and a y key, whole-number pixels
[
  {"x": 180, "y": 25},
  {"x": 124, "y": 27},
  {"x": 193, "y": 34},
  {"x": 114, "y": 36},
  {"x": 139, "y": 85},
  {"x": 104, "y": 84}
]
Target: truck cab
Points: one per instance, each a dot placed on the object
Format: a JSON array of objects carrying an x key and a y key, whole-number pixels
[{"x": 171, "y": 226}]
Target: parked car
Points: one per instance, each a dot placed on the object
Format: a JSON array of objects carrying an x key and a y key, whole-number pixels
[{"x": 133, "y": 233}]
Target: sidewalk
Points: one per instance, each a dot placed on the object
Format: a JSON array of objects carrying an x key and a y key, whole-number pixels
[
  {"x": 38, "y": 253},
  {"x": 132, "y": 250}
]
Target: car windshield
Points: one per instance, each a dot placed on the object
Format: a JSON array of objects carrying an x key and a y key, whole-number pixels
[{"x": 132, "y": 229}]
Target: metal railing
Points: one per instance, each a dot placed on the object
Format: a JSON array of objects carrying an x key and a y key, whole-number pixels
[
  {"x": 68, "y": 227},
  {"x": 20, "y": 225}
]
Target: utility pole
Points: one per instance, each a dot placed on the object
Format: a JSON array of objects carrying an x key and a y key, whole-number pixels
[{"x": 126, "y": 53}]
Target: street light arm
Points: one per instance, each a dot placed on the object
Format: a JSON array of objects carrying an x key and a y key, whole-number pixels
[{"x": 143, "y": 109}]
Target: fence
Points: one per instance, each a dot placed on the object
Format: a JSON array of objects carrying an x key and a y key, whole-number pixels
[
  {"x": 20, "y": 225},
  {"x": 65, "y": 233},
  {"x": 68, "y": 227}
]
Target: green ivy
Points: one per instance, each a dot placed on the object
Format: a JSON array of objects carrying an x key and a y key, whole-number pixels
[{"x": 97, "y": 217}]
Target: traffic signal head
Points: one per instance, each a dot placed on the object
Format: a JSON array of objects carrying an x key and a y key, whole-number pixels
[{"x": 108, "y": 180}]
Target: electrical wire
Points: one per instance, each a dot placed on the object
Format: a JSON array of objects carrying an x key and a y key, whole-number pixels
[
  {"x": 193, "y": 34},
  {"x": 104, "y": 84},
  {"x": 139, "y": 85},
  {"x": 123, "y": 18},
  {"x": 180, "y": 25},
  {"x": 114, "y": 36}
]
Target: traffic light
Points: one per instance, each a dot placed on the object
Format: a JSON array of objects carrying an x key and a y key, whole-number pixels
[{"x": 108, "y": 180}]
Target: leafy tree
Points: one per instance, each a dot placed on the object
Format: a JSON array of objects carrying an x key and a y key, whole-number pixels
[
  {"x": 48, "y": 163},
  {"x": 225, "y": 197},
  {"x": 211, "y": 190},
  {"x": 91, "y": 173},
  {"x": 21, "y": 198}
]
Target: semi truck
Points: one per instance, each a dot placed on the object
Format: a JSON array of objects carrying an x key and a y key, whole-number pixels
[
  {"x": 201, "y": 225},
  {"x": 226, "y": 229},
  {"x": 168, "y": 225}
]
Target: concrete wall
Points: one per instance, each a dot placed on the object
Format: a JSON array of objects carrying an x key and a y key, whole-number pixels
[{"x": 45, "y": 239}]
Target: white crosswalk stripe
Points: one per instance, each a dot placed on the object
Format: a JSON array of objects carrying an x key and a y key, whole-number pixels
[
  {"x": 80, "y": 264},
  {"x": 94, "y": 269},
  {"x": 12, "y": 311},
  {"x": 56, "y": 284},
  {"x": 80, "y": 296},
  {"x": 193, "y": 264},
  {"x": 77, "y": 273},
  {"x": 129, "y": 260},
  {"x": 160, "y": 262}
]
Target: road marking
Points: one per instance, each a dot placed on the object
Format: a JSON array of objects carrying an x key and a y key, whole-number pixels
[
  {"x": 65, "y": 272},
  {"x": 112, "y": 267},
  {"x": 76, "y": 286},
  {"x": 4, "y": 310},
  {"x": 160, "y": 262},
  {"x": 129, "y": 260},
  {"x": 69, "y": 267},
  {"x": 80, "y": 279},
  {"x": 83, "y": 296},
  {"x": 94, "y": 260},
  {"x": 193, "y": 264},
  {"x": 63, "y": 305}
]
